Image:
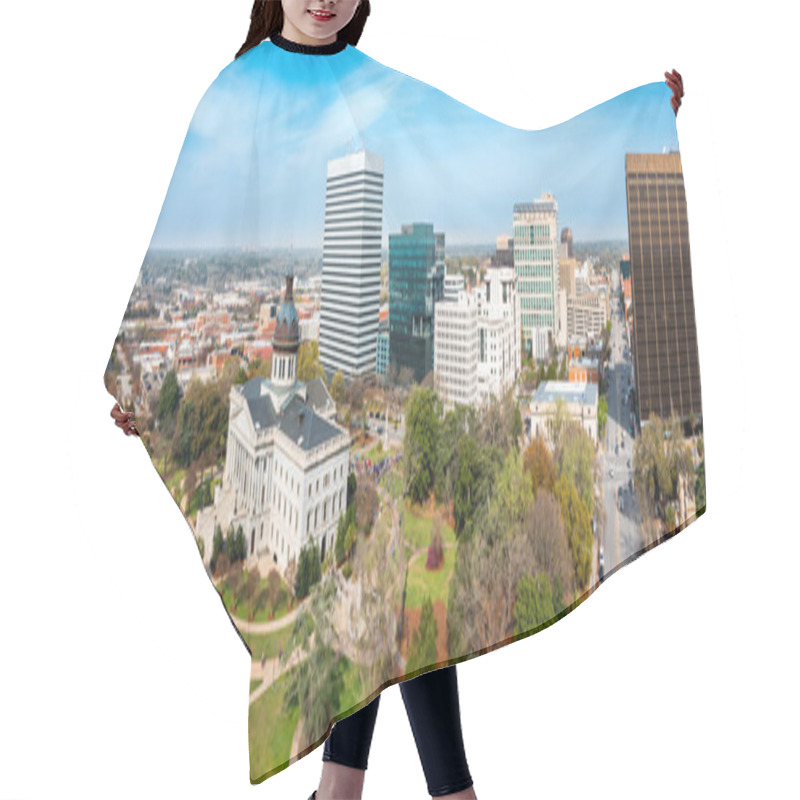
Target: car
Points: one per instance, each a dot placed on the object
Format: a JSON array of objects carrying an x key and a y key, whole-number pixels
[
  {"x": 602, "y": 566},
  {"x": 616, "y": 449},
  {"x": 611, "y": 472},
  {"x": 629, "y": 463}
]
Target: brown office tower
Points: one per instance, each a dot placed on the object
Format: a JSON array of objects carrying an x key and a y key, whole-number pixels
[{"x": 665, "y": 361}]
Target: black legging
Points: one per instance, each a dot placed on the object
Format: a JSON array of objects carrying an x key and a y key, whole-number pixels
[{"x": 431, "y": 701}]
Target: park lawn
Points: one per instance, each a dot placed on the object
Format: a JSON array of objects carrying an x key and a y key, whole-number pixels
[
  {"x": 270, "y": 643},
  {"x": 418, "y": 529},
  {"x": 434, "y": 583},
  {"x": 394, "y": 481},
  {"x": 353, "y": 691},
  {"x": 271, "y": 743},
  {"x": 254, "y": 685},
  {"x": 271, "y": 730}
]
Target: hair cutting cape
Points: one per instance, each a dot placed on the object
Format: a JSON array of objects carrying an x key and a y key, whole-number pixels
[{"x": 417, "y": 379}]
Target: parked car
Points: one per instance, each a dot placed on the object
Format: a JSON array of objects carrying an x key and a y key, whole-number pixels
[{"x": 602, "y": 566}]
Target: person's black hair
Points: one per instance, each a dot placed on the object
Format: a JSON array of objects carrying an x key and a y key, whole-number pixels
[{"x": 266, "y": 18}]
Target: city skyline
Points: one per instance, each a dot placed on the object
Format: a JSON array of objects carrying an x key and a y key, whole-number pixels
[{"x": 227, "y": 189}]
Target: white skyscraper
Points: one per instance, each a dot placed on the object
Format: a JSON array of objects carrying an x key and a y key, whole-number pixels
[
  {"x": 351, "y": 264},
  {"x": 477, "y": 342},
  {"x": 455, "y": 354},
  {"x": 499, "y": 358},
  {"x": 536, "y": 253}
]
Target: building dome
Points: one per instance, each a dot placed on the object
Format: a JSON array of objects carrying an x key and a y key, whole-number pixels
[{"x": 287, "y": 325}]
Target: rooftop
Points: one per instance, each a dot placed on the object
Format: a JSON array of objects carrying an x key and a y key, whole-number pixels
[{"x": 550, "y": 391}]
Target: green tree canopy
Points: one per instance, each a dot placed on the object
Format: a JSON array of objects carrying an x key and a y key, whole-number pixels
[
  {"x": 534, "y": 605},
  {"x": 422, "y": 432}
]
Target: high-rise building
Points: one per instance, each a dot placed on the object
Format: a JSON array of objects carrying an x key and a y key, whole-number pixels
[
  {"x": 478, "y": 348},
  {"x": 566, "y": 239},
  {"x": 666, "y": 364},
  {"x": 351, "y": 264},
  {"x": 566, "y": 269},
  {"x": 587, "y": 315},
  {"x": 456, "y": 356},
  {"x": 504, "y": 251},
  {"x": 536, "y": 258},
  {"x": 416, "y": 284},
  {"x": 382, "y": 359},
  {"x": 499, "y": 345},
  {"x": 453, "y": 284}
]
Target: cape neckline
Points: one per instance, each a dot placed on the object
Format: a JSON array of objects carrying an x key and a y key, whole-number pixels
[{"x": 311, "y": 49}]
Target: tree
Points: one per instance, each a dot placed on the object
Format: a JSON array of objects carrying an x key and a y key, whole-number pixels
[
  {"x": 308, "y": 363},
  {"x": 661, "y": 459},
  {"x": 578, "y": 524},
  {"x": 468, "y": 477},
  {"x": 338, "y": 388},
  {"x": 250, "y": 590},
  {"x": 345, "y": 534},
  {"x": 405, "y": 377},
  {"x": 510, "y": 499},
  {"x": 217, "y": 548},
  {"x": 235, "y": 581},
  {"x": 548, "y": 542},
  {"x": 457, "y": 423},
  {"x": 366, "y": 506},
  {"x": 557, "y": 422},
  {"x": 516, "y": 428},
  {"x": 355, "y": 395},
  {"x": 700, "y": 486},
  {"x": 422, "y": 652},
  {"x": 602, "y": 415},
  {"x": 435, "y": 557},
  {"x": 539, "y": 464},
  {"x": 235, "y": 545},
  {"x": 315, "y": 686},
  {"x": 168, "y": 401},
  {"x": 202, "y": 422},
  {"x": 575, "y": 456},
  {"x": 534, "y": 605},
  {"x": 421, "y": 435},
  {"x": 309, "y": 570}
]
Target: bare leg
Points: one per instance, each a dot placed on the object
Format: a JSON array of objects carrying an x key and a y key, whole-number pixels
[
  {"x": 346, "y": 753},
  {"x": 339, "y": 782}
]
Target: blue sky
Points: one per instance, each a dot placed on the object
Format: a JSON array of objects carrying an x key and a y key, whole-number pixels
[{"x": 253, "y": 164}]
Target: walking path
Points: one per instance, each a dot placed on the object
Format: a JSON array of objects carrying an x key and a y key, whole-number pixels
[
  {"x": 271, "y": 625},
  {"x": 272, "y": 671}
]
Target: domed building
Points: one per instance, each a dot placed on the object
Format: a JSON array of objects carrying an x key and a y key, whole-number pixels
[{"x": 285, "y": 478}]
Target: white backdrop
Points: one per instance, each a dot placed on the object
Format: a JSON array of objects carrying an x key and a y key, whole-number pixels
[{"x": 120, "y": 674}]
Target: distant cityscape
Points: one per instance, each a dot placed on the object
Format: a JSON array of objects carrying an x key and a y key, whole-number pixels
[{"x": 309, "y": 408}]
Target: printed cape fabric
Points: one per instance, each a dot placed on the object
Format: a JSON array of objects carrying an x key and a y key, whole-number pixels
[{"x": 418, "y": 380}]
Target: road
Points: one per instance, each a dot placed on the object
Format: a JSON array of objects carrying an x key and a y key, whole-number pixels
[{"x": 622, "y": 530}]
